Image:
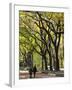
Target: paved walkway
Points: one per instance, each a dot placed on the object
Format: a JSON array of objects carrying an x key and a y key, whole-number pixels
[{"x": 25, "y": 75}]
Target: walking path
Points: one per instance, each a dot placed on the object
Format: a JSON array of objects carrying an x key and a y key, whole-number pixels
[{"x": 25, "y": 75}]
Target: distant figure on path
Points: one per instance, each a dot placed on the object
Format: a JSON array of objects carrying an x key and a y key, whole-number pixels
[
  {"x": 34, "y": 70},
  {"x": 30, "y": 72}
]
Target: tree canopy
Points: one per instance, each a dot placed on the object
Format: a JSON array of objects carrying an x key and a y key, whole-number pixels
[{"x": 41, "y": 36}]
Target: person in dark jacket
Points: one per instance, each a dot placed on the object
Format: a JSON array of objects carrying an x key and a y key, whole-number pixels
[
  {"x": 34, "y": 70},
  {"x": 30, "y": 72}
]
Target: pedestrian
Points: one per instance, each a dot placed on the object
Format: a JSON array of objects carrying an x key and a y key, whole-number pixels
[
  {"x": 34, "y": 70},
  {"x": 30, "y": 72}
]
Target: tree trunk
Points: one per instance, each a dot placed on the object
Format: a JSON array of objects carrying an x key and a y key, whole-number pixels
[
  {"x": 46, "y": 68},
  {"x": 57, "y": 60},
  {"x": 50, "y": 62},
  {"x": 42, "y": 63}
]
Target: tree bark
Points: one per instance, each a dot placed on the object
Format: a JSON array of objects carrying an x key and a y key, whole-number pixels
[
  {"x": 45, "y": 61},
  {"x": 42, "y": 64},
  {"x": 50, "y": 62},
  {"x": 57, "y": 60}
]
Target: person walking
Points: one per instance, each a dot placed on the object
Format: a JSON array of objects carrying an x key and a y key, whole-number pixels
[
  {"x": 30, "y": 72},
  {"x": 34, "y": 70}
]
